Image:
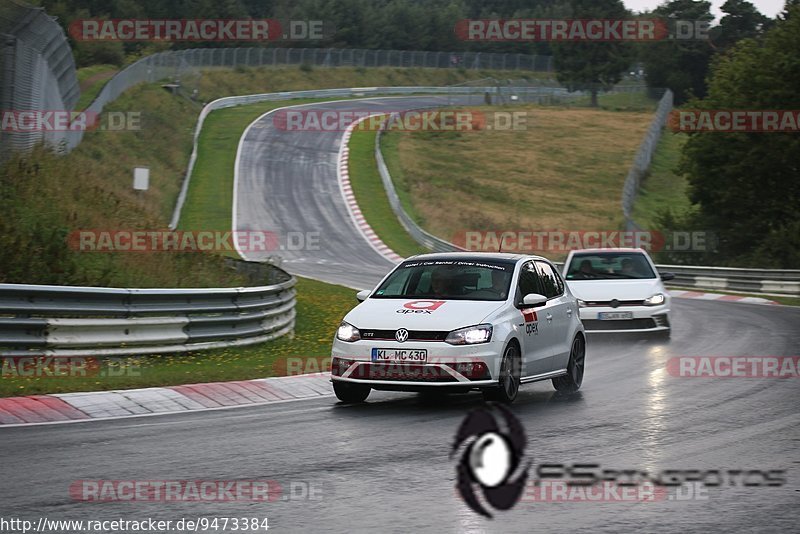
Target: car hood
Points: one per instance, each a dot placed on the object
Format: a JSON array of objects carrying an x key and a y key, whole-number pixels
[
  {"x": 416, "y": 314},
  {"x": 592, "y": 290}
]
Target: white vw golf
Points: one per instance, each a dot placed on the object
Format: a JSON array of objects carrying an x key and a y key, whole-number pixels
[
  {"x": 619, "y": 290},
  {"x": 461, "y": 321}
]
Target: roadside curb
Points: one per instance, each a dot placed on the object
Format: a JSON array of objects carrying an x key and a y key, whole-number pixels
[
  {"x": 361, "y": 223},
  {"x": 687, "y": 294},
  {"x": 117, "y": 404}
]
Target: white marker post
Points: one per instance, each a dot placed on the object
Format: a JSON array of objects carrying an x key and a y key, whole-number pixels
[{"x": 141, "y": 179}]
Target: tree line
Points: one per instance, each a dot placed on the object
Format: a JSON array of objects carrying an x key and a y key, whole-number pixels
[{"x": 745, "y": 187}]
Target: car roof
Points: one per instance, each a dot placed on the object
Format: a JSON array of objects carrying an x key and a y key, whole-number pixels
[
  {"x": 597, "y": 250},
  {"x": 505, "y": 257}
]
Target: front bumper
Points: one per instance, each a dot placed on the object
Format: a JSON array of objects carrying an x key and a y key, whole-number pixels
[
  {"x": 644, "y": 319},
  {"x": 448, "y": 366}
]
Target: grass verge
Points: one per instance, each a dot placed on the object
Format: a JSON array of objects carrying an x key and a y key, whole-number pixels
[
  {"x": 210, "y": 197},
  {"x": 46, "y": 198},
  {"x": 563, "y": 171},
  {"x": 371, "y": 196},
  {"x": 92, "y": 80},
  {"x": 663, "y": 189}
]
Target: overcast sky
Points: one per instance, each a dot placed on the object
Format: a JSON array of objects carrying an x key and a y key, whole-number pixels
[{"x": 769, "y": 8}]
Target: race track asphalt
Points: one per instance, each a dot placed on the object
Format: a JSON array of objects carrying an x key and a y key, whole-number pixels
[
  {"x": 287, "y": 184},
  {"x": 383, "y": 466}
]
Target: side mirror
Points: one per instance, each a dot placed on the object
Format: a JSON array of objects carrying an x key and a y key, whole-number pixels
[
  {"x": 361, "y": 296},
  {"x": 532, "y": 300},
  {"x": 667, "y": 276}
]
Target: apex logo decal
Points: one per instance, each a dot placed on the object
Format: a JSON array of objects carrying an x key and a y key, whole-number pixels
[
  {"x": 421, "y": 306},
  {"x": 531, "y": 322},
  {"x": 490, "y": 472}
]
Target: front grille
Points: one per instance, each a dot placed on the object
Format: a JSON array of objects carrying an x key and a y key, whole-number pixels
[
  {"x": 607, "y": 303},
  {"x": 413, "y": 335},
  {"x": 401, "y": 372},
  {"x": 624, "y": 324}
]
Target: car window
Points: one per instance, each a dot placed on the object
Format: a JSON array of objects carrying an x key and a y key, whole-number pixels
[
  {"x": 550, "y": 281},
  {"x": 448, "y": 279},
  {"x": 609, "y": 266},
  {"x": 528, "y": 281},
  {"x": 559, "y": 281}
]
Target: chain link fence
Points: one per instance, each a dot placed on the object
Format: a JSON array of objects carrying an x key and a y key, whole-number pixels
[
  {"x": 37, "y": 71},
  {"x": 348, "y": 57},
  {"x": 28, "y": 86},
  {"x": 641, "y": 162}
]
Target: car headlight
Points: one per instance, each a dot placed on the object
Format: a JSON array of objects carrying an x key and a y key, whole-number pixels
[
  {"x": 347, "y": 332},
  {"x": 470, "y": 335},
  {"x": 655, "y": 300},
  {"x": 581, "y": 303}
]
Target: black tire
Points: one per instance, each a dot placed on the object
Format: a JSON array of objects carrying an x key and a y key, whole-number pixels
[
  {"x": 351, "y": 393},
  {"x": 510, "y": 372},
  {"x": 571, "y": 382}
]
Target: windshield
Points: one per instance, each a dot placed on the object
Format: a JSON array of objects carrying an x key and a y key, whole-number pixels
[
  {"x": 448, "y": 280},
  {"x": 609, "y": 266}
]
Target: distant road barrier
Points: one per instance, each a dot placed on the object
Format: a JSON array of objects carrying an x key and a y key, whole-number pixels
[
  {"x": 786, "y": 282},
  {"x": 93, "y": 321},
  {"x": 422, "y": 237}
]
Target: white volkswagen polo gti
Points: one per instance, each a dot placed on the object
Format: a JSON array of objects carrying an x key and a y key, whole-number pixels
[
  {"x": 461, "y": 321},
  {"x": 619, "y": 290}
]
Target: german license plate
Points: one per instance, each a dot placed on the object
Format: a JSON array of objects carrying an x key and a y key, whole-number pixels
[
  {"x": 614, "y": 316},
  {"x": 400, "y": 355}
]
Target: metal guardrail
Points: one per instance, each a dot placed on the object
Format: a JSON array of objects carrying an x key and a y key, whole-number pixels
[
  {"x": 762, "y": 281},
  {"x": 786, "y": 282},
  {"x": 91, "y": 321},
  {"x": 420, "y": 236}
]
